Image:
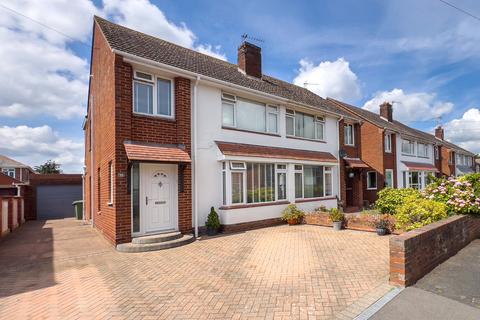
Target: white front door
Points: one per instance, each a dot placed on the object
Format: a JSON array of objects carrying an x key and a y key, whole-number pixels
[{"x": 159, "y": 197}]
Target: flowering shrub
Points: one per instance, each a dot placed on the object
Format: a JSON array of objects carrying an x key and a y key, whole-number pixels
[
  {"x": 415, "y": 213},
  {"x": 389, "y": 199},
  {"x": 383, "y": 221},
  {"x": 457, "y": 194},
  {"x": 474, "y": 179}
]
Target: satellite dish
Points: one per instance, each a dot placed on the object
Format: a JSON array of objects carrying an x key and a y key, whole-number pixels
[{"x": 342, "y": 153}]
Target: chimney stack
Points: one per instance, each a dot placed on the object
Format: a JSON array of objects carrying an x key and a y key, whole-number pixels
[
  {"x": 386, "y": 111},
  {"x": 439, "y": 133},
  {"x": 250, "y": 59}
]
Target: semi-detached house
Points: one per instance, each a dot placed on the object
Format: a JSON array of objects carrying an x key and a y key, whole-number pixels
[
  {"x": 171, "y": 132},
  {"x": 401, "y": 156}
]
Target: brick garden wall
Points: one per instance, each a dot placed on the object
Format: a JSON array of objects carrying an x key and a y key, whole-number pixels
[{"x": 416, "y": 253}]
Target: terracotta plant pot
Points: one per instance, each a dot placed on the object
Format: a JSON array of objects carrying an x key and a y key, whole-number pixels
[
  {"x": 293, "y": 221},
  {"x": 337, "y": 225}
]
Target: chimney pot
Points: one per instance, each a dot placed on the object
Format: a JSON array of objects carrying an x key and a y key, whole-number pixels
[
  {"x": 439, "y": 133},
  {"x": 386, "y": 111},
  {"x": 250, "y": 59}
]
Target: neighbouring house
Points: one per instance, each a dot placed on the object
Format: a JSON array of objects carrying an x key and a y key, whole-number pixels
[
  {"x": 15, "y": 169},
  {"x": 477, "y": 163},
  {"x": 8, "y": 185},
  {"x": 171, "y": 132},
  {"x": 456, "y": 161}
]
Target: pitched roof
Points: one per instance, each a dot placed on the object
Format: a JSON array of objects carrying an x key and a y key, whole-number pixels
[
  {"x": 396, "y": 126},
  {"x": 7, "y": 180},
  {"x": 155, "y": 152},
  {"x": 8, "y": 162},
  {"x": 148, "y": 47},
  {"x": 250, "y": 150}
]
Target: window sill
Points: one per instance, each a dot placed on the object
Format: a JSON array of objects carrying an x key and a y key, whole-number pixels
[
  {"x": 371, "y": 189},
  {"x": 153, "y": 116},
  {"x": 110, "y": 204},
  {"x": 408, "y": 155},
  {"x": 315, "y": 199},
  {"x": 349, "y": 145},
  {"x": 306, "y": 139},
  {"x": 253, "y": 205},
  {"x": 250, "y": 131}
]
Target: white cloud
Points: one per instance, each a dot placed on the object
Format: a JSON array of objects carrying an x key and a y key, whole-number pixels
[
  {"x": 465, "y": 131},
  {"x": 329, "y": 79},
  {"x": 35, "y": 145},
  {"x": 146, "y": 17},
  {"x": 417, "y": 106}
]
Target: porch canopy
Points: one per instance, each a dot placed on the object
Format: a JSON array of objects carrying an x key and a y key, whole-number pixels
[
  {"x": 417, "y": 166},
  {"x": 250, "y": 150},
  {"x": 355, "y": 163},
  {"x": 150, "y": 152}
]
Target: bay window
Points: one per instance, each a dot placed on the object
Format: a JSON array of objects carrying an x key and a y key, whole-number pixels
[
  {"x": 312, "y": 181},
  {"x": 408, "y": 147},
  {"x": 248, "y": 115},
  {"x": 152, "y": 95},
  {"x": 281, "y": 181},
  {"x": 302, "y": 125}
]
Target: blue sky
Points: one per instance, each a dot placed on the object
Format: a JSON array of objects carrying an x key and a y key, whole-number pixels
[{"x": 423, "y": 55}]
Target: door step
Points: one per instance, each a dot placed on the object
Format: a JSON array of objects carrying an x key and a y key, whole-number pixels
[
  {"x": 163, "y": 237},
  {"x": 156, "y": 242}
]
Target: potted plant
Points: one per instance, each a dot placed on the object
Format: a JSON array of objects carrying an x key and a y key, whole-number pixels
[
  {"x": 337, "y": 218},
  {"x": 213, "y": 222},
  {"x": 382, "y": 224},
  {"x": 292, "y": 214}
]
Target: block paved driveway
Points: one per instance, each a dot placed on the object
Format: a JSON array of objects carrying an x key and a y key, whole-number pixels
[{"x": 61, "y": 269}]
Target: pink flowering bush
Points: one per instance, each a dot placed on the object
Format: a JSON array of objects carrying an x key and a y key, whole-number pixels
[{"x": 457, "y": 194}]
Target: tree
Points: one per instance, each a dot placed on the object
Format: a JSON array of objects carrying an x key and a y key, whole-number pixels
[{"x": 49, "y": 167}]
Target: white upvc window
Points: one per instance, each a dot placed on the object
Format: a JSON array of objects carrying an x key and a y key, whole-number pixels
[
  {"x": 302, "y": 125},
  {"x": 312, "y": 181},
  {"x": 422, "y": 150},
  {"x": 389, "y": 178},
  {"x": 388, "y": 142},
  {"x": 349, "y": 135},
  {"x": 248, "y": 115},
  {"x": 372, "y": 180},
  {"x": 408, "y": 147},
  {"x": 153, "y": 95},
  {"x": 436, "y": 152},
  {"x": 9, "y": 172}
]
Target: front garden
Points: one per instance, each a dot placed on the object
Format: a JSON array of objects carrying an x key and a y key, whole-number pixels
[{"x": 399, "y": 210}]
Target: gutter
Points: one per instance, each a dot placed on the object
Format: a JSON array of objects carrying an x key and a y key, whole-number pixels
[{"x": 193, "y": 75}]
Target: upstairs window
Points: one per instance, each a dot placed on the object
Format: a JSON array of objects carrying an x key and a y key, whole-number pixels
[
  {"x": 436, "y": 152},
  {"x": 248, "y": 115},
  {"x": 408, "y": 147},
  {"x": 388, "y": 143},
  {"x": 302, "y": 125},
  {"x": 349, "y": 135},
  {"x": 9, "y": 172},
  {"x": 422, "y": 150},
  {"x": 152, "y": 95},
  {"x": 452, "y": 158}
]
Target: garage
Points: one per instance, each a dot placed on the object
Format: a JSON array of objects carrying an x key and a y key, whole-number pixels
[
  {"x": 55, "y": 201},
  {"x": 50, "y": 196}
]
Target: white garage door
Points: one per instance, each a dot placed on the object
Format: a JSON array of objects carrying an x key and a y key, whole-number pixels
[{"x": 55, "y": 201}]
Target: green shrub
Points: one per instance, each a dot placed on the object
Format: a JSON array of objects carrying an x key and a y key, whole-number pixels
[
  {"x": 458, "y": 195},
  {"x": 389, "y": 199},
  {"x": 416, "y": 212},
  {"x": 336, "y": 216},
  {"x": 292, "y": 212},
  {"x": 213, "y": 221},
  {"x": 474, "y": 180}
]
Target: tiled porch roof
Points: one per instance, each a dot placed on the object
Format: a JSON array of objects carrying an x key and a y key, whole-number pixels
[
  {"x": 155, "y": 152},
  {"x": 420, "y": 166},
  {"x": 356, "y": 163},
  {"x": 7, "y": 180},
  {"x": 250, "y": 150}
]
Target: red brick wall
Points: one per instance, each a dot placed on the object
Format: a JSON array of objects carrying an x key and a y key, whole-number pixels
[
  {"x": 416, "y": 253},
  {"x": 372, "y": 151},
  {"x": 102, "y": 113}
]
